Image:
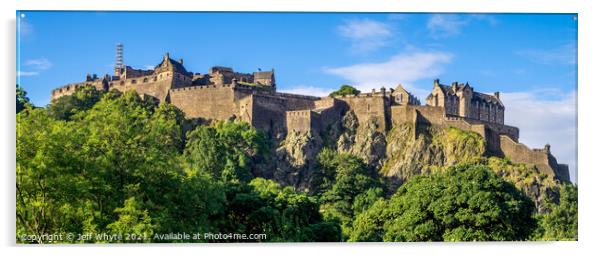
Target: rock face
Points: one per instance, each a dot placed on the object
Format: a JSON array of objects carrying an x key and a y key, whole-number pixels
[
  {"x": 295, "y": 157},
  {"x": 363, "y": 141},
  {"x": 413, "y": 150},
  {"x": 404, "y": 151}
]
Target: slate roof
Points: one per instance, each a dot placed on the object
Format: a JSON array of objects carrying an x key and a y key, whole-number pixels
[
  {"x": 476, "y": 96},
  {"x": 177, "y": 67}
]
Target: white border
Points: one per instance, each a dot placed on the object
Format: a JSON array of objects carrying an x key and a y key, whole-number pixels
[{"x": 588, "y": 124}]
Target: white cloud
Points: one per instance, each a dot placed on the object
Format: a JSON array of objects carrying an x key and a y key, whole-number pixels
[
  {"x": 308, "y": 90},
  {"x": 542, "y": 120},
  {"x": 38, "y": 64},
  {"x": 563, "y": 55},
  {"x": 25, "y": 73},
  {"x": 401, "y": 68},
  {"x": 25, "y": 29},
  {"x": 365, "y": 34},
  {"x": 448, "y": 25},
  {"x": 484, "y": 18},
  {"x": 445, "y": 25}
]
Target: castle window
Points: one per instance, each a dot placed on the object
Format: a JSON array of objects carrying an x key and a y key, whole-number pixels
[
  {"x": 399, "y": 99},
  {"x": 145, "y": 80},
  {"x": 133, "y": 81}
]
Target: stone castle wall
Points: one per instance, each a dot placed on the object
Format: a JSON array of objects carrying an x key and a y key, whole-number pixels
[
  {"x": 300, "y": 121},
  {"x": 70, "y": 88},
  {"x": 541, "y": 158},
  {"x": 269, "y": 113},
  {"x": 367, "y": 107},
  {"x": 155, "y": 86},
  {"x": 326, "y": 113},
  {"x": 206, "y": 102},
  {"x": 225, "y": 95}
]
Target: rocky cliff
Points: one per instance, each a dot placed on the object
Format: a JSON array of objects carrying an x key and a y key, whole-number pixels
[{"x": 404, "y": 151}]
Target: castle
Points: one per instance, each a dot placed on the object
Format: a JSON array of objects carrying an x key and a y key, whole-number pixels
[{"x": 223, "y": 94}]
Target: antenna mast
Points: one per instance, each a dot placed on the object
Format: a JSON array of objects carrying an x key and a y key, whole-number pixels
[
  {"x": 119, "y": 58},
  {"x": 119, "y": 66}
]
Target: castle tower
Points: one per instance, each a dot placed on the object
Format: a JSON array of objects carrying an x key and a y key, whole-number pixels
[
  {"x": 119, "y": 66},
  {"x": 465, "y": 95}
]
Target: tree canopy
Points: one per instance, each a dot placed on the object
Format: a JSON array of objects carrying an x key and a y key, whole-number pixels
[
  {"x": 463, "y": 203},
  {"x": 560, "y": 223},
  {"x": 22, "y": 99},
  {"x": 115, "y": 163},
  {"x": 347, "y": 186},
  {"x": 345, "y": 90}
]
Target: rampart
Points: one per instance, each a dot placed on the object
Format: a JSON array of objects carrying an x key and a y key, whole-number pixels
[
  {"x": 206, "y": 102},
  {"x": 368, "y": 106},
  {"x": 541, "y": 158},
  {"x": 223, "y": 94}
]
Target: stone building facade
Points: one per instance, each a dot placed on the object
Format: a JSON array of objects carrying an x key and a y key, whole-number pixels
[
  {"x": 461, "y": 100},
  {"x": 223, "y": 94}
]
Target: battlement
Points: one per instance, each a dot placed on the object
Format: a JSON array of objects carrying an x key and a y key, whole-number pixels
[{"x": 223, "y": 94}]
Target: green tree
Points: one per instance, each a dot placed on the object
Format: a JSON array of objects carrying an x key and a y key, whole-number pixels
[
  {"x": 22, "y": 99},
  {"x": 561, "y": 222},
  {"x": 134, "y": 223},
  {"x": 345, "y": 90},
  {"x": 225, "y": 150},
  {"x": 48, "y": 180},
  {"x": 81, "y": 100},
  {"x": 263, "y": 206},
  {"x": 463, "y": 203},
  {"x": 73, "y": 175},
  {"x": 346, "y": 186}
]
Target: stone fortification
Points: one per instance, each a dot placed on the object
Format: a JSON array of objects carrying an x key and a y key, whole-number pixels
[{"x": 223, "y": 94}]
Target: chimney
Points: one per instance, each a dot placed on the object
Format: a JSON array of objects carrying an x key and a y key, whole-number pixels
[
  {"x": 88, "y": 77},
  {"x": 454, "y": 86},
  {"x": 181, "y": 61},
  {"x": 436, "y": 82},
  {"x": 497, "y": 94},
  {"x": 166, "y": 55}
]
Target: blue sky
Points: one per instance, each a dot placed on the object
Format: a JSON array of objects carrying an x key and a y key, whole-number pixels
[{"x": 530, "y": 59}]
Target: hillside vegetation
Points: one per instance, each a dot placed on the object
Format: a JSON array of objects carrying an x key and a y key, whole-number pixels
[{"x": 110, "y": 163}]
